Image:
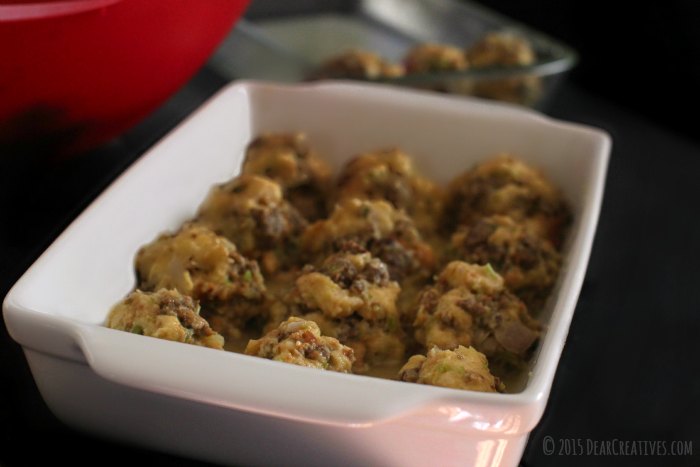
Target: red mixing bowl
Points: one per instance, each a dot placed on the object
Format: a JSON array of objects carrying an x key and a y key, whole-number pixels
[{"x": 77, "y": 73}]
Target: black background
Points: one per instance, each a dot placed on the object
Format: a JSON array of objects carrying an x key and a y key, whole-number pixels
[{"x": 630, "y": 368}]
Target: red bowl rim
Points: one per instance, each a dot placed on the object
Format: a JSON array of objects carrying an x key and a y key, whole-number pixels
[{"x": 44, "y": 10}]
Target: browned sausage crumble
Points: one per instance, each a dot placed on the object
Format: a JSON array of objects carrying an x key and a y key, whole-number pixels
[
  {"x": 352, "y": 298},
  {"x": 388, "y": 233},
  {"x": 300, "y": 342},
  {"x": 251, "y": 212},
  {"x": 198, "y": 263},
  {"x": 507, "y": 186},
  {"x": 166, "y": 314},
  {"x": 389, "y": 175},
  {"x": 469, "y": 305},
  {"x": 528, "y": 263},
  {"x": 288, "y": 159}
]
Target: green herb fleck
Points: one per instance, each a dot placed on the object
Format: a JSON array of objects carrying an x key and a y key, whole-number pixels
[
  {"x": 490, "y": 270},
  {"x": 248, "y": 276},
  {"x": 443, "y": 368},
  {"x": 137, "y": 329},
  {"x": 375, "y": 176}
]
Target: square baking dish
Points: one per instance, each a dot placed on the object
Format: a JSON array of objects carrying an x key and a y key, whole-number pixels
[
  {"x": 287, "y": 42},
  {"x": 235, "y": 409}
]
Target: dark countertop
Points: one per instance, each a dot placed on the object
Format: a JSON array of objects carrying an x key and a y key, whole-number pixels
[{"x": 629, "y": 370}]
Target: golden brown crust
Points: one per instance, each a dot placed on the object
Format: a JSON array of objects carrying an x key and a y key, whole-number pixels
[
  {"x": 300, "y": 342},
  {"x": 378, "y": 343},
  {"x": 352, "y": 298},
  {"x": 500, "y": 49},
  {"x": 165, "y": 314},
  {"x": 426, "y": 58},
  {"x": 375, "y": 226},
  {"x": 507, "y": 186},
  {"x": 206, "y": 266},
  {"x": 357, "y": 64},
  {"x": 345, "y": 284},
  {"x": 469, "y": 305},
  {"x": 389, "y": 175},
  {"x": 461, "y": 368},
  {"x": 251, "y": 212},
  {"x": 528, "y": 263},
  {"x": 287, "y": 159}
]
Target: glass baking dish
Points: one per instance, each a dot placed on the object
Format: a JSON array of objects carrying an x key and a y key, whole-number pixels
[{"x": 287, "y": 41}]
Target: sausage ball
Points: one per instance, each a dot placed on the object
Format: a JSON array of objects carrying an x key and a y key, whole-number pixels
[
  {"x": 287, "y": 159},
  {"x": 376, "y": 344},
  {"x": 529, "y": 264},
  {"x": 461, "y": 368},
  {"x": 351, "y": 297},
  {"x": 469, "y": 305},
  {"x": 300, "y": 342},
  {"x": 378, "y": 227},
  {"x": 505, "y": 185},
  {"x": 426, "y": 58},
  {"x": 389, "y": 175},
  {"x": 505, "y": 50},
  {"x": 165, "y": 314},
  {"x": 501, "y": 48},
  {"x": 251, "y": 212},
  {"x": 207, "y": 267},
  {"x": 357, "y": 64}
]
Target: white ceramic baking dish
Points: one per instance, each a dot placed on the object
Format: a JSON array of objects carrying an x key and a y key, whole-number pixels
[{"x": 234, "y": 409}]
